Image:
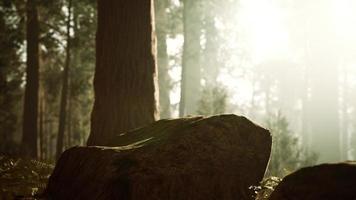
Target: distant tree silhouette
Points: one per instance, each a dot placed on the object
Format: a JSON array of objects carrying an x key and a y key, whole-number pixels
[
  {"x": 30, "y": 113},
  {"x": 191, "y": 68}
]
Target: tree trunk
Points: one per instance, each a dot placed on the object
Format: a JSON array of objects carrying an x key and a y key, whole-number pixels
[
  {"x": 324, "y": 88},
  {"x": 41, "y": 128},
  {"x": 162, "y": 59},
  {"x": 125, "y": 74},
  {"x": 30, "y": 113},
  {"x": 69, "y": 121},
  {"x": 51, "y": 143},
  {"x": 306, "y": 135},
  {"x": 324, "y": 116},
  {"x": 190, "y": 83},
  {"x": 344, "y": 132},
  {"x": 64, "y": 94},
  {"x": 211, "y": 64}
]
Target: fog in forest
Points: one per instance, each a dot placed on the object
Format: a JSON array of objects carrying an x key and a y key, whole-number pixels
[
  {"x": 288, "y": 65},
  {"x": 279, "y": 59}
]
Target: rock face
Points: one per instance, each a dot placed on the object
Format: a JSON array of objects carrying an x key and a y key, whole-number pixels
[
  {"x": 323, "y": 182},
  {"x": 183, "y": 159}
]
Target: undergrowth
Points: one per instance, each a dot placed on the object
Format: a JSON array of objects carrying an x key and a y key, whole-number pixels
[
  {"x": 22, "y": 178},
  {"x": 266, "y": 187}
]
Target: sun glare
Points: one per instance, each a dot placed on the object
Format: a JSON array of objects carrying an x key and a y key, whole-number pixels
[
  {"x": 344, "y": 18},
  {"x": 264, "y": 29}
]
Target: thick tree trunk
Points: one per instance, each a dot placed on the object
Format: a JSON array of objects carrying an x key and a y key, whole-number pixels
[
  {"x": 125, "y": 74},
  {"x": 30, "y": 113},
  {"x": 162, "y": 59},
  {"x": 190, "y": 83},
  {"x": 64, "y": 94}
]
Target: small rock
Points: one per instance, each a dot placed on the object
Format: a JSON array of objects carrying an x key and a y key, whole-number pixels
[{"x": 322, "y": 182}]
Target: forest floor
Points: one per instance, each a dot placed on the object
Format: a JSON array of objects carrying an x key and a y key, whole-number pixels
[
  {"x": 25, "y": 179},
  {"x": 22, "y": 178}
]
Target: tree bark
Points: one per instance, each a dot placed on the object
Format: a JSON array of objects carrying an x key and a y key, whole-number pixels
[
  {"x": 125, "y": 74},
  {"x": 30, "y": 113},
  {"x": 64, "y": 94},
  {"x": 190, "y": 83},
  {"x": 41, "y": 128}
]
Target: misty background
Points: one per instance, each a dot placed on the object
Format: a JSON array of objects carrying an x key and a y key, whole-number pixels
[
  {"x": 288, "y": 65},
  {"x": 289, "y": 58}
]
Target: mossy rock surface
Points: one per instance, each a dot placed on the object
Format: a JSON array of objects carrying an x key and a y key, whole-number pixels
[{"x": 217, "y": 157}]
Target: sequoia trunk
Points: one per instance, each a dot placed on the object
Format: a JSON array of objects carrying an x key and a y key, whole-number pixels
[{"x": 125, "y": 74}]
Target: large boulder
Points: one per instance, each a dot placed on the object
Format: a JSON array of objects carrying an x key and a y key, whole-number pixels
[
  {"x": 218, "y": 157},
  {"x": 322, "y": 182}
]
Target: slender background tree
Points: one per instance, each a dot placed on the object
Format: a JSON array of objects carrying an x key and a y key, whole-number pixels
[
  {"x": 191, "y": 67},
  {"x": 29, "y": 137},
  {"x": 164, "y": 80},
  {"x": 65, "y": 86},
  {"x": 12, "y": 68}
]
